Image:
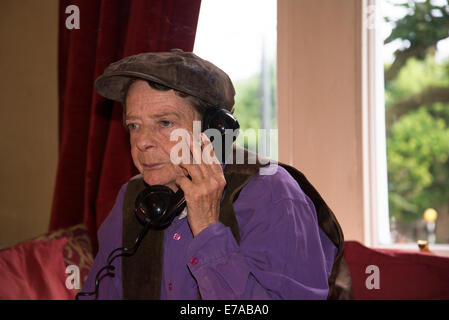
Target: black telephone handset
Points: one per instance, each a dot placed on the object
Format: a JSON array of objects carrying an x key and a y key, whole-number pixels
[{"x": 158, "y": 205}]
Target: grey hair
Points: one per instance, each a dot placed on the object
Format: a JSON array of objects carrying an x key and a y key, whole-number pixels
[{"x": 199, "y": 105}]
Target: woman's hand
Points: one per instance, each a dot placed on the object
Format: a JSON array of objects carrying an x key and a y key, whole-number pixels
[{"x": 203, "y": 193}]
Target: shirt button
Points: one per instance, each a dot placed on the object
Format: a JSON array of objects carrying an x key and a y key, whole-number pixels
[
  {"x": 193, "y": 260},
  {"x": 176, "y": 236},
  {"x": 170, "y": 286}
]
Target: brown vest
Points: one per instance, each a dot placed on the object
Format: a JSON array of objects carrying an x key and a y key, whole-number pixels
[{"x": 141, "y": 273}]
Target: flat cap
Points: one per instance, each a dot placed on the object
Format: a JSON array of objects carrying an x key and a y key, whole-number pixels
[{"x": 176, "y": 69}]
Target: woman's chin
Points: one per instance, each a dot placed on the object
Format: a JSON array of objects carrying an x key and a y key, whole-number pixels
[{"x": 152, "y": 181}]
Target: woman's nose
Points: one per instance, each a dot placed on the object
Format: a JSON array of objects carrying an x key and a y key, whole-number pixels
[{"x": 146, "y": 140}]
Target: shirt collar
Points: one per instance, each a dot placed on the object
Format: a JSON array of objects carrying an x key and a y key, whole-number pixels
[{"x": 183, "y": 214}]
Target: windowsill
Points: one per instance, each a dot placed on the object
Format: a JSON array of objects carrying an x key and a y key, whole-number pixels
[{"x": 437, "y": 249}]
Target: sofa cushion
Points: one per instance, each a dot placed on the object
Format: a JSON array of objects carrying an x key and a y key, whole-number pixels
[
  {"x": 34, "y": 270},
  {"x": 78, "y": 249},
  {"x": 19, "y": 264}
]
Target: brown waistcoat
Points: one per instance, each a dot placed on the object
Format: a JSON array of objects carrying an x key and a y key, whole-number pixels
[{"x": 141, "y": 273}]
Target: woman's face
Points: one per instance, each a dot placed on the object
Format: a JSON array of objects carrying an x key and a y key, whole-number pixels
[{"x": 151, "y": 116}]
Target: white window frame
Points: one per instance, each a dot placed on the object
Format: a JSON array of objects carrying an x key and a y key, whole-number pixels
[
  {"x": 376, "y": 212},
  {"x": 375, "y": 174}
]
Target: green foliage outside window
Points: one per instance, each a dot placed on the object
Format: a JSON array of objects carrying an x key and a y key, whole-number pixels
[
  {"x": 417, "y": 120},
  {"x": 248, "y": 105}
]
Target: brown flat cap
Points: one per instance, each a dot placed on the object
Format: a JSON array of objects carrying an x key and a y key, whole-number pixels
[{"x": 179, "y": 70}]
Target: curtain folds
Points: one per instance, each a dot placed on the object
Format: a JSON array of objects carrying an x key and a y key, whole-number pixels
[{"x": 94, "y": 154}]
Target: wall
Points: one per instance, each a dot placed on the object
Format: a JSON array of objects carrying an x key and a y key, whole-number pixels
[
  {"x": 319, "y": 102},
  {"x": 28, "y": 134}
]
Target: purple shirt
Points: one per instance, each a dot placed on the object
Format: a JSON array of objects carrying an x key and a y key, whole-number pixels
[{"x": 283, "y": 254}]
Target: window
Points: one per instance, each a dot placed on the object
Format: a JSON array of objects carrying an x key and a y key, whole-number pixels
[
  {"x": 240, "y": 38},
  {"x": 407, "y": 99}
]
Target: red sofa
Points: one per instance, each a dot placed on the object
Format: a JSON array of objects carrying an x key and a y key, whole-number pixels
[
  {"x": 36, "y": 269},
  {"x": 401, "y": 274}
]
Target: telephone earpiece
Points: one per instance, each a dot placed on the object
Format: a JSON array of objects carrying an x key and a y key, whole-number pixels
[
  {"x": 158, "y": 205},
  {"x": 226, "y": 123},
  {"x": 220, "y": 119}
]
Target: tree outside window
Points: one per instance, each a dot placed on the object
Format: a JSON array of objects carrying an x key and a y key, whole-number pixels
[{"x": 417, "y": 119}]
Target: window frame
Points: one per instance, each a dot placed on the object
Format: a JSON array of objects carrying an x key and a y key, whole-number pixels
[
  {"x": 376, "y": 211},
  {"x": 375, "y": 169}
]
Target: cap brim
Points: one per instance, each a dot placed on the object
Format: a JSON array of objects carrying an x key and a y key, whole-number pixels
[{"x": 114, "y": 86}]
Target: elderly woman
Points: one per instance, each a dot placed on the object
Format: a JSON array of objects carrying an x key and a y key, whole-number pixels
[{"x": 231, "y": 232}]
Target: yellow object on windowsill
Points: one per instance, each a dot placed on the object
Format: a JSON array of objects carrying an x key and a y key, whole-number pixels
[{"x": 423, "y": 245}]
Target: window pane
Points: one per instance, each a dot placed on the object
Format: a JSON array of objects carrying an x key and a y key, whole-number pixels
[
  {"x": 416, "y": 59},
  {"x": 240, "y": 38}
]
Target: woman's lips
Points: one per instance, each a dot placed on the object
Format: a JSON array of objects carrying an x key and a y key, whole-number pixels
[{"x": 152, "y": 166}]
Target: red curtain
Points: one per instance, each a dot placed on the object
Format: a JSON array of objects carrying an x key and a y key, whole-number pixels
[{"x": 94, "y": 154}]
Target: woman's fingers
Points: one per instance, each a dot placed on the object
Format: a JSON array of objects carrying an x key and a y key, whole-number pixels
[
  {"x": 209, "y": 157},
  {"x": 203, "y": 167},
  {"x": 183, "y": 182},
  {"x": 191, "y": 159}
]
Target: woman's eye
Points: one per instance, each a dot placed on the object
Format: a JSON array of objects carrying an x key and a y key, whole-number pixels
[
  {"x": 166, "y": 123},
  {"x": 132, "y": 126}
]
